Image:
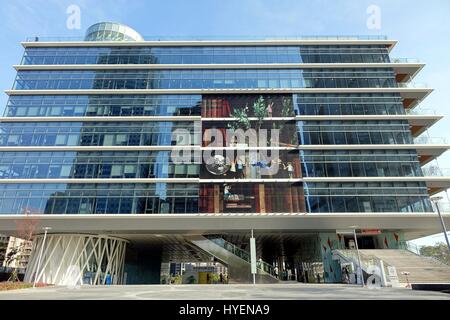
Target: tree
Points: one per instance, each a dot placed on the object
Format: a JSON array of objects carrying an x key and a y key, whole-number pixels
[
  {"x": 287, "y": 111},
  {"x": 26, "y": 228},
  {"x": 10, "y": 258},
  {"x": 438, "y": 251},
  {"x": 3, "y": 247},
  {"x": 260, "y": 110},
  {"x": 242, "y": 121}
]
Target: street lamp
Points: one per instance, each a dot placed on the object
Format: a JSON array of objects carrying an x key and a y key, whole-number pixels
[
  {"x": 40, "y": 255},
  {"x": 436, "y": 204},
  {"x": 359, "y": 256}
]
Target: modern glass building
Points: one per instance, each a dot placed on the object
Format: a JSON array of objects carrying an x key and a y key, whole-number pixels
[{"x": 125, "y": 155}]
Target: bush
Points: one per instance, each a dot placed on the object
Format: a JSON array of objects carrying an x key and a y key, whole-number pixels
[{"x": 8, "y": 285}]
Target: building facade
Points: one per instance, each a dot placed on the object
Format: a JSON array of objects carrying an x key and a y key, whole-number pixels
[
  {"x": 135, "y": 153},
  {"x": 19, "y": 252}
]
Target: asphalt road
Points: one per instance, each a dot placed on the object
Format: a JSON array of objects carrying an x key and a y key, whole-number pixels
[{"x": 294, "y": 291}]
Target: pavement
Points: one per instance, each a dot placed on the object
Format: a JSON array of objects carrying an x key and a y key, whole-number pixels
[{"x": 290, "y": 291}]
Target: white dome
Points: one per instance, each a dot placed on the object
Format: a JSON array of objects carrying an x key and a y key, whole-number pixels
[{"x": 111, "y": 31}]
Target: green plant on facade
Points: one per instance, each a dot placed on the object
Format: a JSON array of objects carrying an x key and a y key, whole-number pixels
[
  {"x": 242, "y": 121},
  {"x": 261, "y": 111},
  {"x": 287, "y": 109}
]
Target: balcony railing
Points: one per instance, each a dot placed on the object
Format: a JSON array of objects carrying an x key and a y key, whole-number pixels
[
  {"x": 264, "y": 266},
  {"x": 421, "y": 111},
  {"x": 444, "y": 207},
  {"x": 412, "y": 85},
  {"x": 404, "y": 60},
  {"x": 221, "y": 38},
  {"x": 435, "y": 171},
  {"x": 430, "y": 140},
  {"x": 416, "y": 249}
]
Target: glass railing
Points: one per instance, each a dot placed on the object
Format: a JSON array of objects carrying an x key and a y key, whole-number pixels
[
  {"x": 367, "y": 260},
  {"x": 430, "y": 140},
  {"x": 231, "y": 248},
  {"x": 221, "y": 38},
  {"x": 444, "y": 207},
  {"x": 412, "y": 85},
  {"x": 435, "y": 171},
  {"x": 264, "y": 266},
  {"x": 404, "y": 60},
  {"x": 414, "y": 248},
  {"x": 407, "y": 245},
  {"x": 421, "y": 111}
]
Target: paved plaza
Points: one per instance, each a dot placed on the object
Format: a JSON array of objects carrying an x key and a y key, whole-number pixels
[{"x": 294, "y": 291}]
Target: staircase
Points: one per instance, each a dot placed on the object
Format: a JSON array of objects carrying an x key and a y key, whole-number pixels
[
  {"x": 421, "y": 269},
  {"x": 236, "y": 260}
]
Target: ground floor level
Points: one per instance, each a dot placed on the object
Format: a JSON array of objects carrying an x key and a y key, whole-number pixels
[
  {"x": 207, "y": 258},
  {"x": 216, "y": 249},
  {"x": 297, "y": 291}
]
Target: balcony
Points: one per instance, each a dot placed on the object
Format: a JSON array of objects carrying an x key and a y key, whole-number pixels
[
  {"x": 406, "y": 68},
  {"x": 429, "y": 148}
]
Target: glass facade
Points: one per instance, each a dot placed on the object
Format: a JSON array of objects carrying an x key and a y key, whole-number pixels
[
  {"x": 223, "y": 185},
  {"x": 367, "y": 197},
  {"x": 348, "y": 104},
  {"x": 105, "y": 198},
  {"x": 97, "y": 133},
  {"x": 355, "y": 132},
  {"x": 364, "y": 163},
  {"x": 206, "y": 79},
  {"x": 92, "y": 165},
  {"x": 104, "y": 105},
  {"x": 207, "y": 55}
]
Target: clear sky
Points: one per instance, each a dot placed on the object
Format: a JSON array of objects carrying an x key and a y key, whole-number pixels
[{"x": 421, "y": 27}]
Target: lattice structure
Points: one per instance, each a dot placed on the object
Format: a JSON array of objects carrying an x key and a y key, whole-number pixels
[{"x": 75, "y": 259}]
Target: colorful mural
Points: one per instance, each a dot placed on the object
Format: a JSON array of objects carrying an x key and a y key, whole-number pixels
[
  {"x": 328, "y": 243},
  {"x": 390, "y": 240}
]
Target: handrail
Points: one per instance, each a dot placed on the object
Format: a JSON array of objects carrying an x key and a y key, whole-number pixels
[
  {"x": 436, "y": 171},
  {"x": 367, "y": 260},
  {"x": 405, "y": 60},
  {"x": 416, "y": 249},
  {"x": 421, "y": 111},
  {"x": 430, "y": 140},
  {"x": 262, "y": 265},
  {"x": 220, "y": 38},
  {"x": 412, "y": 85}
]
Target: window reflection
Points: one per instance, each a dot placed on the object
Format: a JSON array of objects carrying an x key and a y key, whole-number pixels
[
  {"x": 103, "y": 105},
  {"x": 203, "y": 79},
  {"x": 91, "y": 165},
  {"x": 367, "y": 197},
  {"x": 216, "y": 54},
  {"x": 98, "y": 198},
  {"x": 96, "y": 133}
]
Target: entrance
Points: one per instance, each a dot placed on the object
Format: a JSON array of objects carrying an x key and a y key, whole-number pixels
[{"x": 364, "y": 242}]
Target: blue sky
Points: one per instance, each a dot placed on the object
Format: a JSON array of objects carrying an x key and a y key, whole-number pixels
[{"x": 422, "y": 28}]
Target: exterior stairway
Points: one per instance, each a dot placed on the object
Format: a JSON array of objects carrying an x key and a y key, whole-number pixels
[
  {"x": 236, "y": 260},
  {"x": 421, "y": 269}
]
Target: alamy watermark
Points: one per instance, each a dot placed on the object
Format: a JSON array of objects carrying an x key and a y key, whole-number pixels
[
  {"x": 73, "y": 21},
  {"x": 226, "y": 148},
  {"x": 373, "y": 22}
]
